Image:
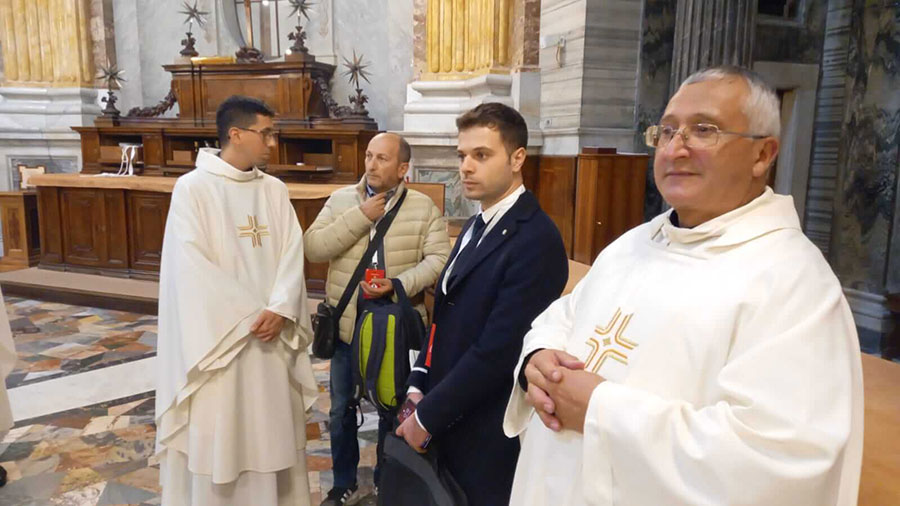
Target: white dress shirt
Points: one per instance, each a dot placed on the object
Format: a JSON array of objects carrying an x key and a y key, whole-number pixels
[{"x": 491, "y": 217}]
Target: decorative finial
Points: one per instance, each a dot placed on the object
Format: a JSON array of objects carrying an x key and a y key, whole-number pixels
[
  {"x": 299, "y": 51},
  {"x": 300, "y": 8},
  {"x": 356, "y": 69},
  {"x": 193, "y": 14},
  {"x": 112, "y": 75}
]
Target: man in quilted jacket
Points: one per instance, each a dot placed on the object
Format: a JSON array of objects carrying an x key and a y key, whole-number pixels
[{"x": 414, "y": 251}]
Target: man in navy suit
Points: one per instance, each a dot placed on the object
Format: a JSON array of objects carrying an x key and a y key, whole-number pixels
[{"x": 508, "y": 265}]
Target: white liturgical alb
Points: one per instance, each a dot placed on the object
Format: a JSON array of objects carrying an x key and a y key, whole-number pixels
[
  {"x": 732, "y": 371},
  {"x": 231, "y": 408}
]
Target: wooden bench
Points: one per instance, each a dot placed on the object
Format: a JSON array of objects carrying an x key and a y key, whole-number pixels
[{"x": 881, "y": 446}]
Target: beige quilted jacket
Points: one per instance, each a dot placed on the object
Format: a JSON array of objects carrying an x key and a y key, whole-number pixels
[{"x": 416, "y": 245}]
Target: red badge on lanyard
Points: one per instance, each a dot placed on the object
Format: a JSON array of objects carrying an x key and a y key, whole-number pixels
[
  {"x": 430, "y": 346},
  {"x": 370, "y": 275}
]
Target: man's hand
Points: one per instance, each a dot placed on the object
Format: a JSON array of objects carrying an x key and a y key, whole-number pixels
[
  {"x": 410, "y": 430},
  {"x": 267, "y": 326},
  {"x": 544, "y": 369},
  {"x": 571, "y": 396},
  {"x": 373, "y": 207},
  {"x": 382, "y": 288}
]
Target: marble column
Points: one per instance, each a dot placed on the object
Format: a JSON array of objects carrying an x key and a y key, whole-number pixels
[
  {"x": 468, "y": 52},
  {"x": 830, "y": 105},
  {"x": 467, "y": 38},
  {"x": 49, "y": 49},
  {"x": 590, "y": 52},
  {"x": 712, "y": 32},
  {"x": 47, "y": 42}
]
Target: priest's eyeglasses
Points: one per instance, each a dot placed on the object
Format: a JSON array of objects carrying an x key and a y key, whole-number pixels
[
  {"x": 697, "y": 135},
  {"x": 266, "y": 134}
]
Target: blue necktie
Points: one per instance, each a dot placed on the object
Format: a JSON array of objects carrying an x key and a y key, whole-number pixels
[{"x": 468, "y": 252}]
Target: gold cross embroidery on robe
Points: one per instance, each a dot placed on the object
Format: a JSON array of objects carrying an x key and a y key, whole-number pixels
[
  {"x": 611, "y": 339},
  {"x": 254, "y": 231}
]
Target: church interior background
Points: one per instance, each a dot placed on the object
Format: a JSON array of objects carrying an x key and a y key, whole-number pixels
[{"x": 80, "y": 260}]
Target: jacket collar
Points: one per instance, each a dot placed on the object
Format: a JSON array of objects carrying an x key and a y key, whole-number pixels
[
  {"x": 361, "y": 192},
  {"x": 522, "y": 210}
]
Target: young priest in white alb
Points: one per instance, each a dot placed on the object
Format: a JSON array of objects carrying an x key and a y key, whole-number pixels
[{"x": 234, "y": 378}]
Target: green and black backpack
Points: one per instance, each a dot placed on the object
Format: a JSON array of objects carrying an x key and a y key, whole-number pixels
[{"x": 385, "y": 333}]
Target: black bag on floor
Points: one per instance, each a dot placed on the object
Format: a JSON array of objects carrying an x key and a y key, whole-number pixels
[{"x": 409, "y": 478}]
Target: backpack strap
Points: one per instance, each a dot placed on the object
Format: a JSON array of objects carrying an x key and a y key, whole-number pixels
[
  {"x": 359, "y": 389},
  {"x": 380, "y": 231},
  {"x": 413, "y": 327},
  {"x": 376, "y": 357}
]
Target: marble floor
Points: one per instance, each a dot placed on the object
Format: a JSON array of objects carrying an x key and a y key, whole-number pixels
[
  {"x": 56, "y": 340},
  {"x": 83, "y": 399}
]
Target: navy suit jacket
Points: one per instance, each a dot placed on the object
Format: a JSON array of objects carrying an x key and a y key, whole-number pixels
[{"x": 519, "y": 268}]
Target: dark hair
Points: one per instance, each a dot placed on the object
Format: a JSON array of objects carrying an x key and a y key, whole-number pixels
[
  {"x": 496, "y": 116},
  {"x": 404, "y": 153},
  {"x": 239, "y": 111}
]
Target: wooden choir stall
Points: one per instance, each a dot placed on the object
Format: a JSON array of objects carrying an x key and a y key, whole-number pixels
[{"x": 113, "y": 226}]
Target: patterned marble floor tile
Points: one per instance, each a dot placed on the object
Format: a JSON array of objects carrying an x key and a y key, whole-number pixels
[
  {"x": 13, "y": 472},
  {"x": 37, "y": 466},
  {"x": 31, "y": 488},
  {"x": 55, "y": 340},
  {"x": 106, "y": 424},
  {"x": 83, "y": 496},
  {"x": 102, "y": 454},
  {"x": 125, "y": 408},
  {"x": 146, "y": 478},
  {"x": 43, "y": 433},
  {"x": 117, "y": 493}
]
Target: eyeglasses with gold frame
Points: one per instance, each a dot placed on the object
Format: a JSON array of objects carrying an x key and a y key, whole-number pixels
[
  {"x": 266, "y": 134},
  {"x": 695, "y": 135}
]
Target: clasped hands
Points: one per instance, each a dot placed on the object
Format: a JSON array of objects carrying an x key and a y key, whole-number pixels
[
  {"x": 559, "y": 389},
  {"x": 267, "y": 326}
]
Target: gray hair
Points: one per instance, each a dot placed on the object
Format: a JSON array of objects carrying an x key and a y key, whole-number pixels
[{"x": 761, "y": 107}]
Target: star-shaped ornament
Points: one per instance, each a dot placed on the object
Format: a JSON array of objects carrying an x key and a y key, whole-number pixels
[
  {"x": 300, "y": 8},
  {"x": 356, "y": 69},
  {"x": 194, "y": 14},
  {"x": 111, "y": 74}
]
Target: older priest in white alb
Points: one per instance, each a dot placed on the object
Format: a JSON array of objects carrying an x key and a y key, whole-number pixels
[
  {"x": 234, "y": 376},
  {"x": 709, "y": 356}
]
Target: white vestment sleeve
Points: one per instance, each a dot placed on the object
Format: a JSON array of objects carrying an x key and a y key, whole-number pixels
[
  {"x": 778, "y": 436},
  {"x": 288, "y": 299},
  {"x": 550, "y": 330}
]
